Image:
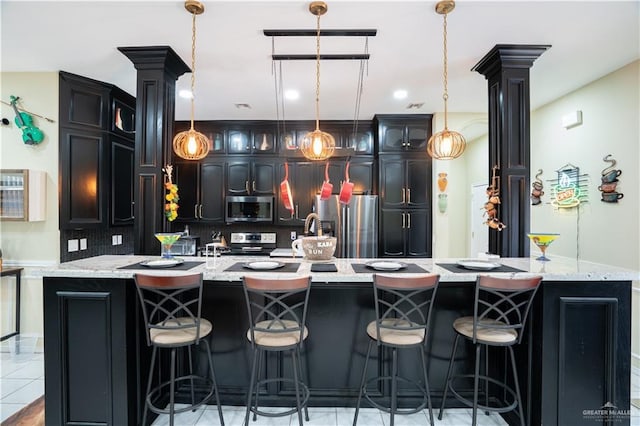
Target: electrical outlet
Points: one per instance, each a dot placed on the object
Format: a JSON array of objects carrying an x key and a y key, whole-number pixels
[
  {"x": 119, "y": 239},
  {"x": 294, "y": 235},
  {"x": 72, "y": 245},
  {"x": 114, "y": 240},
  {"x": 83, "y": 244}
]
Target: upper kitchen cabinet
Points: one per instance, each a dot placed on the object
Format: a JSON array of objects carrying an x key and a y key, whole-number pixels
[
  {"x": 404, "y": 182},
  {"x": 304, "y": 182},
  {"x": 122, "y": 167},
  {"x": 256, "y": 177},
  {"x": 122, "y": 113},
  {"x": 84, "y": 103},
  {"x": 201, "y": 188},
  {"x": 403, "y": 133},
  {"x": 350, "y": 139},
  {"x": 251, "y": 138},
  {"x": 213, "y": 131}
]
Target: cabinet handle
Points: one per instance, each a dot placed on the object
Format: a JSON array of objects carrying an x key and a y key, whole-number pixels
[
  {"x": 253, "y": 185},
  {"x": 246, "y": 186},
  {"x": 403, "y": 221},
  {"x": 403, "y": 197},
  {"x": 200, "y": 212},
  {"x": 195, "y": 211},
  {"x": 297, "y": 217},
  {"x": 409, "y": 220},
  {"x": 408, "y": 195}
]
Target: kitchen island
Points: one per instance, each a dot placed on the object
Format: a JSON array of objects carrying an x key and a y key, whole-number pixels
[{"x": 574, "y": 359}]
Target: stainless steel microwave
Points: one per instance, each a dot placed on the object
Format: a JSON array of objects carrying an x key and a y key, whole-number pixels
[{"x": 249, "y": 209}]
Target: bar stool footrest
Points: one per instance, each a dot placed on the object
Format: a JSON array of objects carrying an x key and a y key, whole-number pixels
[
  {"x": 177, "y": 380},
  {"x": 401, "y": 411},
  {"x": 303, "y": 402},
  {"x": 469, "y": 403}
]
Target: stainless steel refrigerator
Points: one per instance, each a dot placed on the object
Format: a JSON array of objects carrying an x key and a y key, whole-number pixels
[{"x": 354, "y": 224}]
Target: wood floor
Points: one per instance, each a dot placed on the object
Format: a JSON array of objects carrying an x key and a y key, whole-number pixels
[{"x": 31, "y": 415}]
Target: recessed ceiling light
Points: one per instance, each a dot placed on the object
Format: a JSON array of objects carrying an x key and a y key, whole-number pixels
[
  {"x": 291, "y": 94},
  {"x": 184, "y": 93},
  {"x": 400, "y": 94}
]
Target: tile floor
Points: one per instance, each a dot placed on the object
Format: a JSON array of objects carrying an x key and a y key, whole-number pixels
[{"x": 22, "y": 381}]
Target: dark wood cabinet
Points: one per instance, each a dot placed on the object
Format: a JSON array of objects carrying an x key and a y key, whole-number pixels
[
  {"x": 246, "y": 177},
  {"x": 201, "y": 189},
  {"x": 213, "y": 131},
  {"x": 96, "y": 154},
  {"x": 350, "y": 139},
  {"x": 122, "y": 166},
  {"x": 83, "y": 179},
  {"x": 405, "y": 182},
  {"x": 403, "y": 133},
  {"x": 304, "y": 183},
  {"x": 405, "y": 233}
]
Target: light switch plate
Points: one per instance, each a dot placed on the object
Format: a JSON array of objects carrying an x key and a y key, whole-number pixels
[
  {"x": 72, "y": 245},
  {"x": 114, "y": 240},
  {"x": 83, "y": 244},
  {"x": 119, "y": 239}
]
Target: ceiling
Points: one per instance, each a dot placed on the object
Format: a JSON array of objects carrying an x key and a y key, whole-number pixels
[{"x": 589, "y": 39}]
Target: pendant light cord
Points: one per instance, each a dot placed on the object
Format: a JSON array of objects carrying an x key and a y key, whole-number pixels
[
  {"x": 193, "y": 65},
  {"x": 318, "y": 73},
  {"x": 445, "y": 95}
]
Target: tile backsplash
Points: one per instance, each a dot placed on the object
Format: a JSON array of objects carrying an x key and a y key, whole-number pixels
[{"x": 98, "y": 242}]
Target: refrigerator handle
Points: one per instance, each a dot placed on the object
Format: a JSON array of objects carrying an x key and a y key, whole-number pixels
[{"x": 345, "y": 231}]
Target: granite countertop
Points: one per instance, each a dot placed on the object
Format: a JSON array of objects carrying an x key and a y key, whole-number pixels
[{"x": 558, "y": 269}]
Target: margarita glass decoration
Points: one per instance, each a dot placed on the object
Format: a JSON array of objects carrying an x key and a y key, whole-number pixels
[
  {"x": 542, "y": 241},
  {"x": 167, "y": 239}
]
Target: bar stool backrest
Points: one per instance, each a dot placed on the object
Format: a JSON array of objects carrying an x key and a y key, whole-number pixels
[
  {"x": 277, "y": 305},
  {"x": 170, "y": 302},
  {"x": 406, "y": 299},
  {"x": 507, "y": 300}
]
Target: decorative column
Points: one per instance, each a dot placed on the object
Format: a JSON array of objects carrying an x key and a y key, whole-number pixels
[
  {"x": 506, "y": 67},
  {"x": 158, "y": 69}
]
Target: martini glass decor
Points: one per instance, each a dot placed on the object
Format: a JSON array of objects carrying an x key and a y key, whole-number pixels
[
  {"x": 542, "y": 241},
  {"x": 167, "y": 239}
]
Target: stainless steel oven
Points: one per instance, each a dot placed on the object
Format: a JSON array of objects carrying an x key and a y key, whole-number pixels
[{"x": 249, "y": 209}]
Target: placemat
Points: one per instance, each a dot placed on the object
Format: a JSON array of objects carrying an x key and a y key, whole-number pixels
[
  {"x": 411, "y": 268},
  {"x": 324, "y": 267},
  {"x": 454, "y": 267},
  {"x": 238, "y": 267},
  {"x": 182, "y": 267}
]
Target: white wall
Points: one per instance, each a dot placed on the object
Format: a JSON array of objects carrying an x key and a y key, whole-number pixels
[{"x": 31, "y": 244}]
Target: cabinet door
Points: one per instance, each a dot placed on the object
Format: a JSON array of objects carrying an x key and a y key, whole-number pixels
[
  {"x": 418, "y": 233},
  {"x": 336, "y": 174},
  {"x": 418, "y": 186},
  {"x": 210, "y": 129},
  {"x": 361, "y": 142},
  {"x": 212, "y": 192},
  {"x": 239, "y": 141},
  {"x": 262, "y": 178},
  {"x": 361, "y": 174},
  {"x": 238, "y": 178},
  {"x": 392, "y": 137},
  {"x": 83, "y": 103},
  {"x": 263, "y": 141},
  {"x": 392, "y": 233},
  {"x": 122, "y": 166},
  {"x": 417, "y": 135},
  {"x": 392, "y": 182},
  {"x": 186, "y": 177},
  {"x": 304, "y": 187},
  {"x": 83, "y": 175}
]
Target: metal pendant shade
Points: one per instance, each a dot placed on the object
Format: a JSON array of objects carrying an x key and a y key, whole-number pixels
[
  {"x": 191, "y": 144},
  {"x": 318, "y": 145},
  {"x": 446, "y": 144}
]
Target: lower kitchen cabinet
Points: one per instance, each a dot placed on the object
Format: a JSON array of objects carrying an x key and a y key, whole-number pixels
[
  {"x": 201, "y": 188},
  {"x": 405, "y": 233}
]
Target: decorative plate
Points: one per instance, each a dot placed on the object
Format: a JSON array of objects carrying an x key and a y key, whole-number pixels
[
  {"x": 263, "y": 265},
  {"x": 162, "y": 263},
  {"x": 386, "y": 266},
  {"x": 479, "y": 265}
]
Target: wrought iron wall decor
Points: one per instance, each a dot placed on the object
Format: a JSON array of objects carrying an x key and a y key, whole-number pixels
[
  {"x": 609, "y": 178},
  {"x": 537, "y": 189}
]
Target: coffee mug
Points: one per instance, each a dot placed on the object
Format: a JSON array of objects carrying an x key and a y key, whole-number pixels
[
  {"x": 296, "y": 246},
  {"x": 612, "y": 197},
  {"x": 611, "y": 176},
  {"x": 608, "y": 187}
]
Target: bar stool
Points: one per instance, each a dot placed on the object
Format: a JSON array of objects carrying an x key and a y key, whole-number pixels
[
  {"x": 171, "y": 306},
  {"x": 277, "y": 312},
  {"x": 500, "y": 310},
  {"x": 403, "y": 313}
]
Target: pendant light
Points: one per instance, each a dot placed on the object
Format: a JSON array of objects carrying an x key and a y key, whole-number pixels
[
  {"x": 318, "y": 145},
  {"x": 447, "y": 144},
  {"x": 191, "y": 144}
]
